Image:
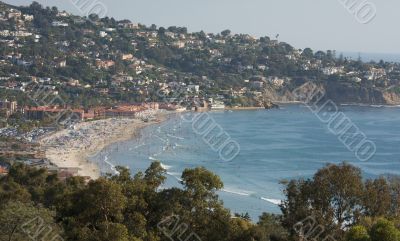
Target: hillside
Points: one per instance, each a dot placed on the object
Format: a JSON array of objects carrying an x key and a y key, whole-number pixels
[{"x": 91, "y": 61}]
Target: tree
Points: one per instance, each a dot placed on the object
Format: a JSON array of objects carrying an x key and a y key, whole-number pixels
[
  {"x": 12, "y": 191},
  {"x": 226, "y": 33},
  {"x": 201, "y": 183},
  {"x": 161, "y": 31},
  {"x": 153, "y": 27},
  {"x": 377, "y": 199},
  {"x": 97, "y": 209},
  {"x": 102, "y": 201},
  {"x": 338, "y": 193},
  {"x": 26, "y": 181},
  {"x": 320, "y": 55},
  {"x": 333, "y": 198},
  {"x": 35, "y": 6},
  {"x": 330, "y": 55},
  {"x": 358, "y": 233},
  {"x": 297, "y": 203},
  {"x": 384, "y": 230},
  {"x": 265, "y": 40},
  {"x": 272, "y": 226},
  {"x": 201, "y": 206},
  {"x": 94, "y": 17},
  {"x": 21, "y": 221},
  {"x": 155, "y": 175},
  {"x": 394, "y": 184},
  {"x": 143, "y": 206},
  {"x": 244, "y": 230},
  {"x": 105, "y": 232},
  {"x": 308, "y": 53},
  {"x": 54, "y": 10}
]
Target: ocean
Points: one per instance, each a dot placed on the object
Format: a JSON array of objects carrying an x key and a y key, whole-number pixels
[
  {"x": 275, "y": 145},
  {"x": 367, "y": 57}
]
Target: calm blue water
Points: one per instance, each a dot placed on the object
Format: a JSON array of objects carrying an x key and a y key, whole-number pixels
[
  {"x": 367, "y": 57},
  {"x": 275, "y": 145}
]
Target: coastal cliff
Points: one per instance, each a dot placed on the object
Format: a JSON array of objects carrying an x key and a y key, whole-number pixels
[
  {"x": 339, "y": 93},
  {"x": 391, "y": 97}
]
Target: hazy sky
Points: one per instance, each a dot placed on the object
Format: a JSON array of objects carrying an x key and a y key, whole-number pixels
[{"x": 319, "y": 24}]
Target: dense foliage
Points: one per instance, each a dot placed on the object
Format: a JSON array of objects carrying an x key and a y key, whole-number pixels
[{"x": 124, "y": 207}]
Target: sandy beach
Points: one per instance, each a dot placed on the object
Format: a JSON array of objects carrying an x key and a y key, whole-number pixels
[{"x": 72, "y": 147}]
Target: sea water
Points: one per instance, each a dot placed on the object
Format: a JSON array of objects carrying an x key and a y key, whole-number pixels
[{"x": 275, "y": 145}]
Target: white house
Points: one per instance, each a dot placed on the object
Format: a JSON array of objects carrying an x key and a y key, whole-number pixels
[
  {"x": 102, "y": 34},
  {"x": 28, "y": 17},
  {"x": 375, "y": 73},
  {"x": 276, "y": 81},
  {"x": 169, "y": 34},
  {"x": 193, "y": 88},
  {"x": 59, "y": 24},
  {"x": 332, "y": 70},
  {"x": 179, "y": 44}
]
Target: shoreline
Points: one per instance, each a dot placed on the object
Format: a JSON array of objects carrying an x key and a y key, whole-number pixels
[
  {"x": 73, "y": 147},
  {"x": 244, "y": 108}
]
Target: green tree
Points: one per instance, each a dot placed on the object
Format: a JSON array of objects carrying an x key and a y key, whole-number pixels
[
  {"x": 272, "y": 226},
  {"x": 201, "y": 186},
  {"x": 105, "y": 232},
  {"x": 384, "y": 230},
  {"x": 155, "y": 175},
  {"x": 21, "y": 221},
  {"x": 226, "y": 33},
  {"x": 333, "y": 197},
  {"x": 308, "y": 53},
  {"x": 358, "y": 233},
  {"x": 297, "y": 204},
  {"x": 201, "y": 205},
  {"x": 377, "y": 199},
  {"x": 97, "y": 210},
  {"x": 12, "y": 191},
  {"x": 338, "y": 193}
]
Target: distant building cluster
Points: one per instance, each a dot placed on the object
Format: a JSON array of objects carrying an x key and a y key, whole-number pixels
[
  {"x": 122, "y": 110},
  {"x": 7, "y": 108}
]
